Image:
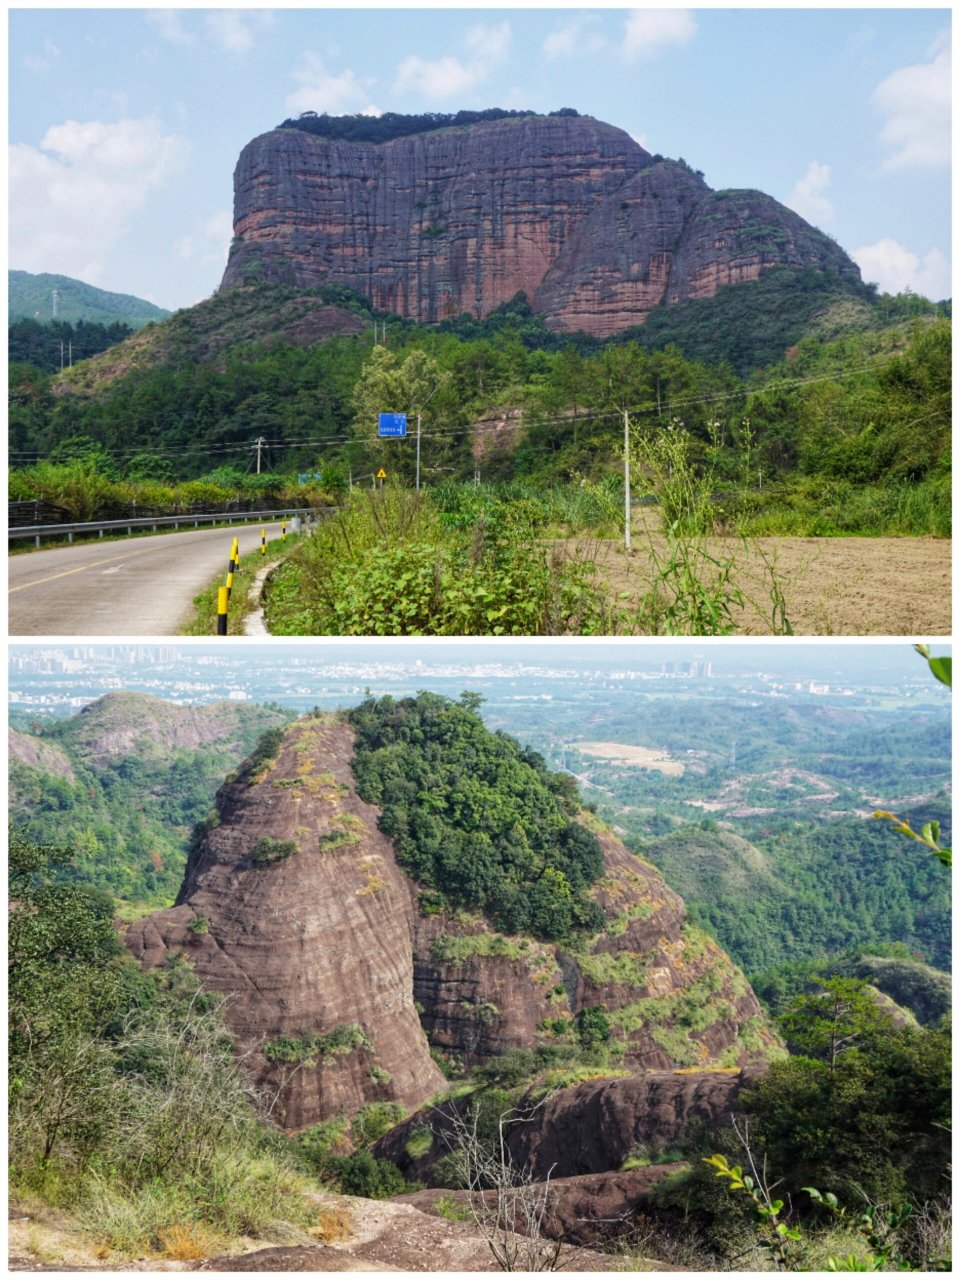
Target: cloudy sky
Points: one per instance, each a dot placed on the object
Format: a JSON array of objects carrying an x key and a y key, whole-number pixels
[{"x": 125, "y": 124}]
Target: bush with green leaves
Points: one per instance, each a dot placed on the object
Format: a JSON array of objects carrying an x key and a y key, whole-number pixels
[
  {"x": 476, "y": 816},
  {"x": 128, "y": 1103},
  {"x": 387, "y": 565}
]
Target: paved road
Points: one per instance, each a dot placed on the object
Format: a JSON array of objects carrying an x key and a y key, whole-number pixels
[{"x": 132, "y": 587}]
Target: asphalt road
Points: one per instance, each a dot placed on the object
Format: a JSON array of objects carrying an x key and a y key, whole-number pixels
[{"x": 131, "y": 587}]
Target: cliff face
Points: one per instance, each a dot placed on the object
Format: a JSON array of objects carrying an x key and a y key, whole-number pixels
[
  {"x": 671, "y": 996},
  {"x": 293, "y": 908},
  {"x": 570, "y": 210}
]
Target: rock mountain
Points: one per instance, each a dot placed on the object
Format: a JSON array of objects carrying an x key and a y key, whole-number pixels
[
  {"x": 338, "y": 985},
  {"x": 594, "y": 229}
]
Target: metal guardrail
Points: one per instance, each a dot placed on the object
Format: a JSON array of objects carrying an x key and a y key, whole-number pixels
[{"x": 100, "y": 527}]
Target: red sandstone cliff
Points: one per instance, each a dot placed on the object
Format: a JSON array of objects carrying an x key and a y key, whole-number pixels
[
  {"x": 294, "y": 909},
  {"x": 570, "y": 210}
]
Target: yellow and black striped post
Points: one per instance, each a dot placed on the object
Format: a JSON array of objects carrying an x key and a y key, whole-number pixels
[
  {"x": 263, "y": 542},
  {"x": 283, "y": 529},
  {"x": 229, "y": 587},
  {"x": 223, "y": 597}
]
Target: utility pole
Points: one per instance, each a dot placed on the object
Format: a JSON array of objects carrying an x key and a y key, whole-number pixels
[
  {"x": 418, "y": 453},
  {"x": 626, "y": 479},
  {"x": 259, "y": 446}
]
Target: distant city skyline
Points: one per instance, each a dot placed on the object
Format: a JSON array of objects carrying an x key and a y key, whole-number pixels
[
  {"x": 860, "y": 662},
  {"x": 125, "y": 124}
]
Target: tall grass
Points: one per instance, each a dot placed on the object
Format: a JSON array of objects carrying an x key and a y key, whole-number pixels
[
  {"x": 829, "y": 508},
  {"x": 390, "y": 563}
]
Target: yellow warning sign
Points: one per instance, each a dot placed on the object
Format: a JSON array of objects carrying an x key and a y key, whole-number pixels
[{"x": 381, "y": 474}]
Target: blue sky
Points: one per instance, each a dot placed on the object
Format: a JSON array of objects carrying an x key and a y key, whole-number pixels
[{"x": 125, "y": 124}]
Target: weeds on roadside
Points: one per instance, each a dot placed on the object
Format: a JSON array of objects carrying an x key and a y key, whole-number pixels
[{"x": 388, "y": 564}]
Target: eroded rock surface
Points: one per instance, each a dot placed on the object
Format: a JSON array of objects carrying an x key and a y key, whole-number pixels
[
  {"x": 311, "y": 946},
  {"x": 294, "y": 909},
  {"x": 570, "y": 210}
]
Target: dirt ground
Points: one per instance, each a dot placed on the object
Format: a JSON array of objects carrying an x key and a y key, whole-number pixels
[
  {"x": 831, "y": 586},
  {"x": 382, "y": 1236}
]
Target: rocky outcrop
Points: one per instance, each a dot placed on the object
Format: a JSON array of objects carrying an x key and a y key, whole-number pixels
[
  {"x": 671, "y": 996},
  {"x": 294, "y": 910},
  {"x": 570, "y": 210},
  {"x": 591, "y": 1209},
  {"x": 46, "y": 757},
  {"x": 123, "y": 724},
  {"x": 588, "y": 1128}
]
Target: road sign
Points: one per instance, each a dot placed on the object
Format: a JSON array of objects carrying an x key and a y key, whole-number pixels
[
  {"x": 393, "y": 424},
  {"x": 381, "y": 474}
]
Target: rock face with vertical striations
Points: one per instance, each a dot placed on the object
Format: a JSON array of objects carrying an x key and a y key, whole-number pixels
[
  {"x": 337, "y": 985},
  {"x": 572, "y": 211},
  {"x": 294, "y": 909}
]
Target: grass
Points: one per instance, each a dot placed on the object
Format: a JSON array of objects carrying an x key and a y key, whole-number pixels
[{"x": 203, "y": 622}]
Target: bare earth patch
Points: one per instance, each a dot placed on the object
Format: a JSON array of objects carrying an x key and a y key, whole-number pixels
[
  {"x": 832, "y": 586},
  {"x": 638, "y": 757},
  {"x": 383, "y": 1236}
]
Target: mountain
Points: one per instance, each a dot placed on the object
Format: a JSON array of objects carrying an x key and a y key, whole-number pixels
[
  {"x": 30, "y": 297},
  {"x": 573, "y": 212},
  {"x": 342, "y": 974},
  {"x": 124, "y": 782}
]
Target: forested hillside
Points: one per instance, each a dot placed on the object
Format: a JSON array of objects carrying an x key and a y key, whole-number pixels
[{"x": 124, "y": 783}]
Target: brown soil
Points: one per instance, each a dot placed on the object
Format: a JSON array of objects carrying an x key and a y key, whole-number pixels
[
  {"x": 384, "y": 1236},
  {"x": 831, "y": 586}
]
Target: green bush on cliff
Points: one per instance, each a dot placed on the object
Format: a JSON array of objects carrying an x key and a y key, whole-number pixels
[{"x": 476, "y": 816}]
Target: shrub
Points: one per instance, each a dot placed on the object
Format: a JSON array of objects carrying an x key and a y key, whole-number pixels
[{"x": 267, "y": 851}]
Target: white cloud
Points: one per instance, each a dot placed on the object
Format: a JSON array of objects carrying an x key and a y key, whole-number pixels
[
  {"x": 235, "y": 30},
  {"x": 489, "y": 44},
  {"x": 574, "y": 37},
  {"x": 809, "y": 197},
  {"x": 449, "y": 77},
  {"x": 72, "y": 198},
  {"x": 648, "y": 32},
  {"x": 895, "y": 268},
  {"x": 169, "y": 27},
  {"x": 916, "y": 103},
  {"x": 51, "y": 55},
  {"x": 210, "y": 241},
  {"x": 322, "y": 91}
]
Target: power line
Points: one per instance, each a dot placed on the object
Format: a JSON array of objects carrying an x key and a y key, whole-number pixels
[{"x": 594, "y": 415}]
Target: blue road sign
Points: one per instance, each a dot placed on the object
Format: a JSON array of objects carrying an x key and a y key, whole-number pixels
[{"x": 393, "y": 424}]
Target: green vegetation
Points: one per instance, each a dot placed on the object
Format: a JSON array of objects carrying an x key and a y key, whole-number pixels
[
  {"x": 779, "y": 899},
  {"x": 829, "y": 415},
  {"x": 392, "y": 124},
  {"x": 306, "y": 1050},
  {"x": 50, "y": 346},
  {"x": 30, "y": 296},
  {"x": 128, "y": 820},
  {"x": 475, "y": 816},
  {"x": 128, "y": 1107},
  {"x": 387, "y": 564},
  {"x": 267, "y": 851}
]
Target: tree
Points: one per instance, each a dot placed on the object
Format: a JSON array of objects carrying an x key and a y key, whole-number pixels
[
  {"x": 391, "y": 385},
  {"x": 841, "y": 1016},
  {"x": 510, "y": 1209}
]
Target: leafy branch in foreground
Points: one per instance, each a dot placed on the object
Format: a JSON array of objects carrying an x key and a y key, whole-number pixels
[{"x": 929, "y": 835}]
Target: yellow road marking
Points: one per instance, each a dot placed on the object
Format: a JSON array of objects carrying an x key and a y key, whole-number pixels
[
  {"x": 66, "y": 573},
  {"x": 38, "y": 582}
]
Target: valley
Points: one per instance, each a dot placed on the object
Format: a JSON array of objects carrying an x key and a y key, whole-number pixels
[{"x": 391, "y": 926}]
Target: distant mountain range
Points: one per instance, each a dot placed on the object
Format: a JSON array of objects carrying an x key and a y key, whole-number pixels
[{"x": 31, "y": 297}]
